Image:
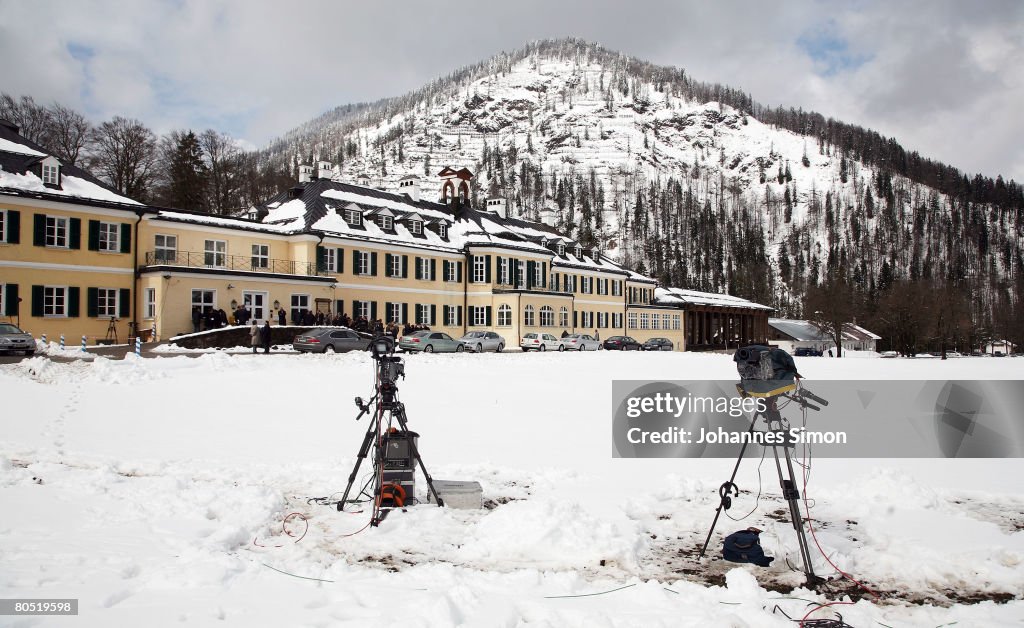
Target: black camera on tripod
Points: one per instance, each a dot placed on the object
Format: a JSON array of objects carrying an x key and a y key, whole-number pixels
[
  {"x": 765, "y": 371},
  {"x": 390, "y": 368}
]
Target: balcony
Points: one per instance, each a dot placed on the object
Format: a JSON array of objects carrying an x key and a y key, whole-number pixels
[{"x": 224, "y": 262}]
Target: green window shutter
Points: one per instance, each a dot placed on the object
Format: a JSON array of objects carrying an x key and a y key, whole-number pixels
[
  {"x": 575, "y": 318},
  {"x": 373, "y": 264},
  {"x": 339, "y": 306},
  {"x": 529, "y": 274},
  {"x": 126, "y": 238},
  {"x": 472, "y": 314},
  {"x": 433, "y": 314},
  {"x": 444, "y": 270},
  {"x": 13, "y": 226},
  {"x": 458, "y": 317},
  {"x": 543, "y": 274},
  {"x": 355, "y": 310},
  {"x": 458, "y": 271},
  {"x": 11, "y": 299},
  {"x": 487, "y": 316},
  {"x": 405, "y": 267},
  {"x": 339, "y": 256},
  {"x": 419, "y": 271},
  {"x": 419, "y": 311},
  {"x": 92, "y": 296},
  {"x": 373, "y": 311},
  {"x": 405, "y": 313},
  {"x": 94, "y": 235},
  {"x": 39, "y": 232},
  {"x": 124, "y": 302},
  {"x": 355, "y": 262},
  {"x": 74, "y": 297},
  {"x": 487, "y": 269},
  {"x": 433, "y": 269},
  {"x": 387, "y": 265},
  {"x": 37, "y": 300},
  {"x": 321, "y": 256},
  {"x": 75, "y": 234},
  {"x": 513, "y": 271},
  {"x": 387, "y": 312}
]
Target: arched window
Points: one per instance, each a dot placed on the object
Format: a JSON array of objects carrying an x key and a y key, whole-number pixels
[
  {"x": 528, "y": 316},
  {"x": 504, "y": 316},
  {"x": 547, "y": 316},
  {"x": 563, "y": 317}
]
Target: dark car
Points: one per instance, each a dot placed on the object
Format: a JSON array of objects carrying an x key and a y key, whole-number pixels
[
  {"x": 802, "y": 352},
  {"x": 621, "y": 343},
  {"x": 13, "y": 339},
  {"x": 331, "y": 340},
  {"x": 658, "y": 344}
]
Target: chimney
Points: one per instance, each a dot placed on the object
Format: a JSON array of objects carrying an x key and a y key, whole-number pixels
[
  {"x": 324, "y": 170},
  {"x": 410, "y": 186},
  {"x": 549, "y": 216},
  {"x": 305, "y": 173},
  {"x": 499, "y": 205}
]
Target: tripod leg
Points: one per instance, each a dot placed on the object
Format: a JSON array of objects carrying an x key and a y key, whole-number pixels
[
  {"x": 400, "y": 415},
  {"x": 732, "y": 478},
  {"x": 371, "y": 432},
  {"x": 792, "y": 496}
]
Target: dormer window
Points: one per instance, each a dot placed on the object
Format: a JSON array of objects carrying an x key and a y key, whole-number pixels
[
  {"x": 416, "y": 227},
  {"x": 561, "y": 249},
  {"x": 51, "y": 171},
  {"x": 387, "y": 223},
  {"x": 579, "y": 251},
  {"x": 353, "y": 217},
  {"x": 442, "y": 230}
]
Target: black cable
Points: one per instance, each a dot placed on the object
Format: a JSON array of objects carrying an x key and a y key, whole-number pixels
[{"x": 757, "y": 500}]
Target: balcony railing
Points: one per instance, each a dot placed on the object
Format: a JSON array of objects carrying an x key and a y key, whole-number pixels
[{"x": 222, "y": 261}]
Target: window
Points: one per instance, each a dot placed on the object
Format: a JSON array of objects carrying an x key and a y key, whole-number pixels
[
  {"x": 424, "y": 269},
  {"x": 538, "y": 274},
  {"x": 387, "y": 223},
  {"x": 362, "y": 309},
  {"x": 579, "y": 251},
  {"x": 504, "y": 316},
  {"x": 216, "y": 253},
  {"x": 394, "y": 313},
  {"x": 166, "y": 248},
  {"x": 632, "y": 320},
  {"x": 424, "y": 314},
  {"x": 362, "y": 263},
  {"x": 645, "y": 322},
  {"x": 677, "y": 321},
  {"x": 563, "y": 317},
  {"x": 521, "y": 274},
  {"x": 331, "y": 259},
  {"x": 479, "y": 268},
  {"x": 602, "y": 319},
  {"x": 3, "y": 227},
  {"x": 261, "y": 255},
  {"x": 617, "y": 320},
  {"x": 150, "y": 300},
  {"x": 666, "y": 321},
  {"x": 110, "y": 237},
  {"x": 416, "y": 227},
  {"x": 204, "y": 299},
  {"x": 587, "y": 319},
  {"x": 616, "y": 288},
  {"x": 51, "y": 174},
  {"x": 353, "y": 217},
  {"x": 442, "y": 230},
  {"x": 55, "y": 301},
  {"x": 57, "y": 231},
  {"x": 528, "y": 316},
  {"x": 395, "y": 266},
  {"x": 547, "y": 316},
  {"x": 106, "y": 303},
  {"x": 587, "y": 284},
  {"x": 451, "y": 271},
  {"x": 479, "y": 316},
  {"x": 452, "y": 315},
  {"x": 561, "y": 249},
  {"x": 300, "y": 305},
  {"x": 504, "y": 270}
]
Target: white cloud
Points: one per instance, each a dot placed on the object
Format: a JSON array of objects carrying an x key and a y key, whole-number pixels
[{"x": 943, "y": 78}]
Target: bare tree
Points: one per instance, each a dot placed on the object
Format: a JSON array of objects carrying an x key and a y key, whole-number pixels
[
  {"x": 124, "y": 152},
  {"x": 829, "y": 307},
  {"x": 33, "y": 120},
  {"x": 68, "y": 133},
  {"x": 223, "y": 169}
]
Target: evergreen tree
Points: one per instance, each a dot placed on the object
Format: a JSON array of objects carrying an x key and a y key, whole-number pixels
[{"x": 186, "y": 173}]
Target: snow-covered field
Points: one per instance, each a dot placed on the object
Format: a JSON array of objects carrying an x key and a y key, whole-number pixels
[{"x": 154, "y": 491}]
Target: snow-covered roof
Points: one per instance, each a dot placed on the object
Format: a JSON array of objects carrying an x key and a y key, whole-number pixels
[
  {"x": 681, "y": 296},
  {"x": 806, "y": 331}
]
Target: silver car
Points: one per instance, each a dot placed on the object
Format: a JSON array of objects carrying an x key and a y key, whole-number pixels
[
  {"x": 13, "y": 339},
  {"x": 480, "y": 341},
  {"x": 541, "y": 342},
  {"x": 581, "y": 342},
  {"x": 331, "y": 340}
]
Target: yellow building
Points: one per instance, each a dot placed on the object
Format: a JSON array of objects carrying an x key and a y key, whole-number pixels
[{"x": 78, "y": 259}]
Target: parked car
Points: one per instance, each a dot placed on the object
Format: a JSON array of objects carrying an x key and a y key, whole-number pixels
[
  {"x": 430, "y": 342},
  {"x": 541, "y": 342},
  {"x": 889, "y": 354},
  {"x": 581, "y": 342},
  {"x": 621, "y": 343},
  {"x": 997, "y": 354},
  {"x": 658, "y": 344},
  {"x": 480, "y": 341},
  {"x": 807, "y": 351},
  {"x": 13, "y": 339},
  {"x": 331, "y": 340}
]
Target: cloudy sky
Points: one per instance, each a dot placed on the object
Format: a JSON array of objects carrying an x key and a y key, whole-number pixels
[{"x": 945, "y": 78}]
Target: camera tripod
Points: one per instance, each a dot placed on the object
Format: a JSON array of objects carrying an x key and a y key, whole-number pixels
[
  {"x": 387, "y": 492},
  {"x": 787, "y": 477}
]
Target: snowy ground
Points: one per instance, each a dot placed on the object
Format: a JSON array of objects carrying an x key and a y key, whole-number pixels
[{"x": 154, "y": 491}]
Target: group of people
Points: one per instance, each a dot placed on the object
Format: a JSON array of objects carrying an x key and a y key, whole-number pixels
[
  {"x": 260, "y": 336},
  {"x": 210, "y": 318}
]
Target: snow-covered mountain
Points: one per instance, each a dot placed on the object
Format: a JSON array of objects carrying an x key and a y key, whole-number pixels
[{"x": 693, "y": 183}]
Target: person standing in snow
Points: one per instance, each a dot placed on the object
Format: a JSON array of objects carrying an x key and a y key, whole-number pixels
[
  {"x": 265, "y": 336},
  {"x": 280, "y": 317},
  {"x": 254, "y": 336},
  {"x": 197, "y": 318},
  {"x": 597, "y": 336}
]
